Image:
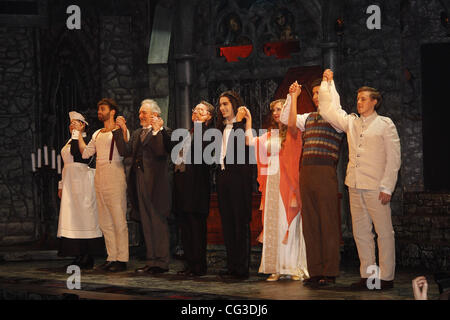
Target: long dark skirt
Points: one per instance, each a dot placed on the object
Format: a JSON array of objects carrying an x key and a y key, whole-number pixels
[{"x": 77, "y": 247}]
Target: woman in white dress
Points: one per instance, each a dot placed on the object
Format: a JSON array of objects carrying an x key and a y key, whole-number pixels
[
  {"x": 278, "y": 154},
  {"x": 78, "y": 229}
]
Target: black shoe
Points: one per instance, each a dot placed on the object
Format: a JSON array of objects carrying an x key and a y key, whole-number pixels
[
  {"x": 387, "y": 284},
  {"x": 144, "y": 269},
  {"x": 226, "y": 274},
  {"x": 118, "y": 266},
  {"x": 87, "y": 262},
  {"x": 241, "y": 276},
  {"x": 157, "y": 270},
  {"x": 75, "y": 262},
  {"x": 105, "y": 266},
  {"x": 185, "y": 272},
  {"x": 325, "y": 281},
  {"x": 359, "y": 285},
  {"x": 313, "y": 281}
]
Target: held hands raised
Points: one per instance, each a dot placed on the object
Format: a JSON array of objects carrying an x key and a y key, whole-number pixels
[
  {"x": 295, "y": 89},
  {"x": 327, "y": 75},
  {"x": 156, "y": 123},
  {"x": 78, "y": 125},
  {"x": 121, "y": 123},
  {"x": 242, "y": 113}
]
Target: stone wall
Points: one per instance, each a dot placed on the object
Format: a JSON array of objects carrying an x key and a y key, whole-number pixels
[
  {"x": 423, "y": 237},
  {"x": 117, "y": 62},
  {"x": 17, "y": 102}
]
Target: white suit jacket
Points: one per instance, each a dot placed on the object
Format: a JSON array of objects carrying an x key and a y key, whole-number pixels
[{"x": 373, "y": 142}]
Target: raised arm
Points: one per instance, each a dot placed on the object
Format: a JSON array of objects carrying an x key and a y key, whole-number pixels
[
  {"x": 294, "y": 91},
  {"x": 329, "y": 103},
  {"x": 300, "y": 118},
  {"x": 250, "y": 139},
  {"x": 123, "y": 147}
]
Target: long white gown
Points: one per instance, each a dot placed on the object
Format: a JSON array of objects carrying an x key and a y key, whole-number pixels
[{"x": 279, "y": 258}]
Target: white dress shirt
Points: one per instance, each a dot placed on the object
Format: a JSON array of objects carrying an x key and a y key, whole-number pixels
[{"x": 226, "y": 135}]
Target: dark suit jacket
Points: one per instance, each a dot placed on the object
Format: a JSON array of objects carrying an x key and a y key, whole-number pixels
[
  {"x": 192, "y": 187},
  {"x": 239, "y": 177},
  {"x": 156, "y": 149}
]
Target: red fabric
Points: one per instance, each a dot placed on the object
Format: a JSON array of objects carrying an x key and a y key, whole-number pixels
[
  {"x": 289, "y": 174},
  {"x": 233, "y": 53},
  {"x": 281, "y": 49}
]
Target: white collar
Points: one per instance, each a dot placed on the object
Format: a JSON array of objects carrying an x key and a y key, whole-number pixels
[{"x": 226, "y": 122}]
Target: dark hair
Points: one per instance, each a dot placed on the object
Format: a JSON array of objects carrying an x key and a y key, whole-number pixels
[
  {"x": 111, "y": 103},
  {"x": 374, "y": 95},
  {"x": 315, "y": 83},
  {"x": 235, "y": 101}
]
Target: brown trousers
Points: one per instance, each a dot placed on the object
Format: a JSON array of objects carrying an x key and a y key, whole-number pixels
[{"x": 320, "y": 209}]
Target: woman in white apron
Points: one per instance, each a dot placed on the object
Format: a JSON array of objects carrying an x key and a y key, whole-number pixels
[{"x": 78, "y": 227}]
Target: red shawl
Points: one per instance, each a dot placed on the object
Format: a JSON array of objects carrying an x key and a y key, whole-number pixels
[{"x": 289, "y": 174}]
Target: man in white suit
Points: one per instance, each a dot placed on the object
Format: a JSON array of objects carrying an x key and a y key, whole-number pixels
[{"x": 374, "y": 161}]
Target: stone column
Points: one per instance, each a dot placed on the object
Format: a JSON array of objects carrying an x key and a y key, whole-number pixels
[
  {"x": 184, "y": 78},
  {"x": 184, "y": 37}
]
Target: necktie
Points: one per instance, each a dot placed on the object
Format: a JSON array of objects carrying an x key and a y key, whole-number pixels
[{"x": 144, "y": 134}]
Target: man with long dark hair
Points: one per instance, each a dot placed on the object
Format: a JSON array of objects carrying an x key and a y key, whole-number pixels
[{"x": 234, "y": 186}]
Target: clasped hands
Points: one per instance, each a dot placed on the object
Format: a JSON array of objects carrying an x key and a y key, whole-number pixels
[{"x": 155, "y": 121}]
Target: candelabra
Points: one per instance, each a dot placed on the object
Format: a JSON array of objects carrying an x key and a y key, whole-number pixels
[{"x": 45, "y": 190}]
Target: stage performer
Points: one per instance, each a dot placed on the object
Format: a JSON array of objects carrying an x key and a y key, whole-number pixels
[
  {"x": 148, "y": 182},
  {"x": 319, "y": 189},
  {"x": 234, "y": 186},
  {"x": 278, "y": 154},
  {"x": 374, "y": 161},
  {"x": 78, "y": 227},
  {"x": 110, "y": 187},
  {"x": 191, "y": 195}
]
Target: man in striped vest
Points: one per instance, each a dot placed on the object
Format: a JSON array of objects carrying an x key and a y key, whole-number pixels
[{"x": 318, "y": 190}]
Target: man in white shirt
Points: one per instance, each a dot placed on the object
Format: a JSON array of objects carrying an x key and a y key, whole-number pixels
[
  {"x": 374, "y": 161},
  {"x": 110, "y": 187}
]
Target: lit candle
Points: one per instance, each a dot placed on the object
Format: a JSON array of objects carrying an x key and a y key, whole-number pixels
[
  {"x": 53, "y": 159},
  {"x": 39, "y": 158},
  {"x": 45, "y": 156},
  {"x": 33, "y": 162},
  {"x": 59, "y": 164}
]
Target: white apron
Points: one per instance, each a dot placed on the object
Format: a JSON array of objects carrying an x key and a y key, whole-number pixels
[{"x": 78, "y": 218}]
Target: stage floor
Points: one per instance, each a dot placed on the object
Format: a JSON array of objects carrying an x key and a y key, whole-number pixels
[{"x": 48, "y": 280}]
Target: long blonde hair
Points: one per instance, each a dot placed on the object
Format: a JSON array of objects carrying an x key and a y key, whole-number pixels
[{"x": 273, "y": 125}]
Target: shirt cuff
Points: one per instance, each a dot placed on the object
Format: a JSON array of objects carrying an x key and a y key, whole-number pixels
[
  {"x": 384, "y": 190},
  {"x": 75, "y": 134}
]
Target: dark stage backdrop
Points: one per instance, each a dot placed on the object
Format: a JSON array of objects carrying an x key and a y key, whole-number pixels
[{"x": 435, "y": 105}]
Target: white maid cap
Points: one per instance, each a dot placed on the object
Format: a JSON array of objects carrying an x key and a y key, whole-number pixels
[{"x": 73, "y": 115}]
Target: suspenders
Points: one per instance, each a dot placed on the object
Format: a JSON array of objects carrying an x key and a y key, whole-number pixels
[{"x": 111, "y": 150}]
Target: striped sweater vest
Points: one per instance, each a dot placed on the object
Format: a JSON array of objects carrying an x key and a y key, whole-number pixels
[{"x": 321, "y": 142}]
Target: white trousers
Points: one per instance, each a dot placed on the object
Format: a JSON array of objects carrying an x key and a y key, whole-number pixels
[
  {"x": 369, "y": 213},
  {"x": 110, "y": 188}
]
